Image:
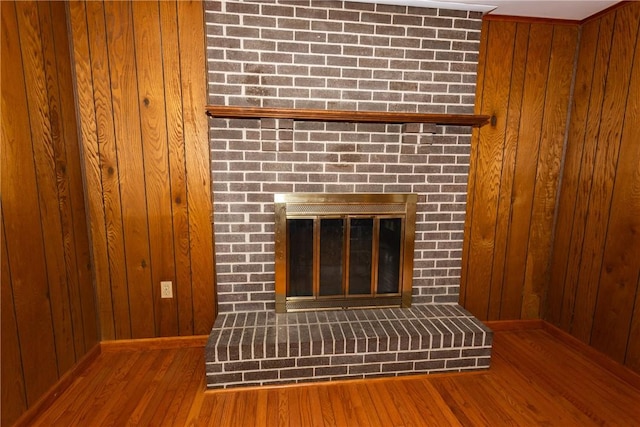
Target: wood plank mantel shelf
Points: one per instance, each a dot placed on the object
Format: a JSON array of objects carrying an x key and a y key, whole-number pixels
[{"x": 346, "y": 115}]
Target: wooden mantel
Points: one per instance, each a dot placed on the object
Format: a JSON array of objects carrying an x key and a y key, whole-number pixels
[{"x": 222, "y": 111}]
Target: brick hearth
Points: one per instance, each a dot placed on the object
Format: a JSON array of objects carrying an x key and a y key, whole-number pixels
[{"x": 265, "y": 348}]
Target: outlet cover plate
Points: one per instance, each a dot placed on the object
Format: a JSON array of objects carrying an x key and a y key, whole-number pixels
[{"x": 166, "y": 289}]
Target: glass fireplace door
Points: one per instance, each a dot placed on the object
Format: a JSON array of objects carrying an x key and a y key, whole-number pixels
[
  {"x": 341, "y": 251},
  {"x": 344, "y": 257}
]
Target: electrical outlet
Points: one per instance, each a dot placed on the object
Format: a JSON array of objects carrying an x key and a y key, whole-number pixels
[{"x": 166, "y": 289}]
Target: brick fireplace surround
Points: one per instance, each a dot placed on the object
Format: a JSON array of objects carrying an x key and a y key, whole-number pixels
[{"x": 339, "y": 56}]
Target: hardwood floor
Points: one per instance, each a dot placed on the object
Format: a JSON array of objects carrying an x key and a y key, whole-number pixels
[{"x": 535, "y": 379}]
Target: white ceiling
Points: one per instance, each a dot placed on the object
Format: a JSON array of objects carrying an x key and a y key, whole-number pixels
[
  {"x": 554, "y": 9},
  {"x": 566, "y": 9}
]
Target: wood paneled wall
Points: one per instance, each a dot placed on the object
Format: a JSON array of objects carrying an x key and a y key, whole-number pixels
[
  {"x": 567, "y": 252},
  {"x": 48, "y": 302},
  {"x": 594, "y": 287},
  {"x": 141, "y": 91},
  {"x": 524, "y": 81}
]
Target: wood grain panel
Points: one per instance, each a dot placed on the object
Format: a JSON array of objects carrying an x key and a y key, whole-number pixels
[
  {"x": 621, "y": 256},
  {"x": 482, "y": 59},
  {"x": 605, "y": 165},
  {"x": 116, "y": 295},
  {"x": 144, "y": 135},
  {"x": 596, "y": 250},
  {"x": 570, "y": 282},
  {"x": 47, "y": 297},
  {"x": 508, "y": 164},
  {"x": 44, "y": 159},
  {"x": 554, "y": 123},
  {"x": 21, "y": 216},
  {"x": 487, "y": 164},
  {"x": 175, "y": 140},
  {"x": 57, "y": 164},
  {"x": 512, "y": 190},
  {"x": 14, "y": 399},
  {"x": 572, "y": 168},
  {"x": 527, "y": 158},
  {"x": 192, "y": 64},
  {"x": 131, "y": 178},
  {"x": 579, "y": 295},
  {"x": 157, "y": 176},
  {"x": 87, "y": 111},
  {"x": 72, "y": 169}
]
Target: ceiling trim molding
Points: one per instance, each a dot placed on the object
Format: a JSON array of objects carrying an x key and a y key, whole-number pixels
[
  {"x": 531, "y": 19},
  {"x": 472, "y": 7}
]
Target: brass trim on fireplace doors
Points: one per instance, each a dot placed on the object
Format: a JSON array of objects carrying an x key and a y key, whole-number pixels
[{"x": 327, "y": 205}]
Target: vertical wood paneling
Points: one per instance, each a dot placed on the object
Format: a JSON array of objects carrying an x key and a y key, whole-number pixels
[
  {"x": 117, "y": 294},
  {"x": 127, "y": 132},
  {"x": 14, "y": 400},
  {"x": 581, "y": 274},
  {"x": 576, "y": 293},
  {"x": 508, "y": 164},
  {"x": 20, "y": 211},
  {"x": 144, "y": 134},
  {"x": 72, "y": 169},
  {"x": 48, "y": 314},
  {"x": 57, "y": 165},
  {"x": 527, "y": 162},
  {"x": 153, "y": 121},
  {"x": 43, "y": 157},
  {"x": 192, "y": 60},
  {"x": 554, "y": 125},
  {"x": 466, "y": 244},
  {"x": 620, "y": 269},
  {"x": 605, "y": 165},
  {"x": 175, "y": 140},
  {"x": 486, "y": 167},
  {"x": 515, "y": 166},
  {"x": 91, "y": 165},
  {"x": 593, "y": 288},
  {"x": 571, "y": 172}
]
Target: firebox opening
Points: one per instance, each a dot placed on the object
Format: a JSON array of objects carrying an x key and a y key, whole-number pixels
[{"x": 344, "y": 250}]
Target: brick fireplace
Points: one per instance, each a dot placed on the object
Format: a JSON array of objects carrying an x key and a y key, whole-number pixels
[{"x": 334, "y": 55}]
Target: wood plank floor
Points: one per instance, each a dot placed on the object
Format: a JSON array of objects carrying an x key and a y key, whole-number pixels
[{"x": 535, "y": 379}]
